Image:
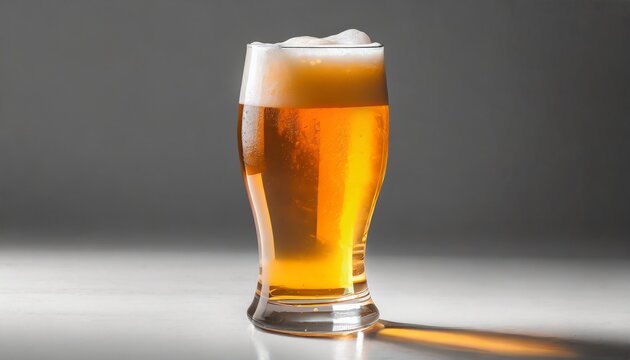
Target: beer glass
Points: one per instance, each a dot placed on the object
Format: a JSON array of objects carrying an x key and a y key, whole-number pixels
[{"x": 313, "y": 134}]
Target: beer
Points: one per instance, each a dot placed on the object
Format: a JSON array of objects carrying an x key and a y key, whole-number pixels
[
  {"x": 313, "y": 135},
  {"x": 313, "y": 175}
]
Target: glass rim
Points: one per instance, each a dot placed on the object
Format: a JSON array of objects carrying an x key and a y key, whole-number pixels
[{"x": 345, "y": 47}]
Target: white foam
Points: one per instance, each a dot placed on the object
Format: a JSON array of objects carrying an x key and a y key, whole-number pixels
[
  {"x": 341, "y": 70},
  {"x": 351, "y": 37}
]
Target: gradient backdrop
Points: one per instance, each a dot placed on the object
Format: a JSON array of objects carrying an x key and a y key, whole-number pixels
[{"x": 510, "y": 122}]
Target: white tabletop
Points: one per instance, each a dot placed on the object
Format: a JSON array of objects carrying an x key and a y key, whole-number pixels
[{"x": 176, "y": 304}]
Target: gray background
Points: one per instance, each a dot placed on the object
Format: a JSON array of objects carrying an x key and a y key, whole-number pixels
[{"x": 509, "y": 122}]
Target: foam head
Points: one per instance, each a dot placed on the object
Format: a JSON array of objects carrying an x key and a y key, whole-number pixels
[
  {"x": 351, "y": 37},
  {"x": 341, "y": 70}
]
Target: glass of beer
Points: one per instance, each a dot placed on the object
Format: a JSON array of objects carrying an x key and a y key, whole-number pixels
[{"x": 313, "y": 135}]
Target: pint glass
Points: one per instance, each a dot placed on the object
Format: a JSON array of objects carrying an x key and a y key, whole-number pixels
[{"x": 313, "y": 133}]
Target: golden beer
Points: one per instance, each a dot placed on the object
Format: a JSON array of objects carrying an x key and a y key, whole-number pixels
[
  {"x": 312, "y": 135},
  {"x": 313, "y": 176}
]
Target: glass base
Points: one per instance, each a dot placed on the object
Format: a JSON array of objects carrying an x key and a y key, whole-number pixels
[{"x": 310, "y": 318}]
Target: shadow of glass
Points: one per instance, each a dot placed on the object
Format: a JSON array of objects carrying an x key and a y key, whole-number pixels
[
  {"x": 419, "y": 341},
  {"x": 463, "y": 343}
]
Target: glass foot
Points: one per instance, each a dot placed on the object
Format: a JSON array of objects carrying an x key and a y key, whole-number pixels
[{"x": 310, "y": 318}]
